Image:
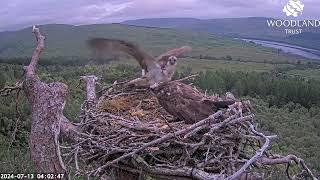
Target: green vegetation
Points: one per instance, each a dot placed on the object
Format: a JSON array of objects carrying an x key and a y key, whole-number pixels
[
  {"x": 205, "y": 64},
  {"x": 69, "y": 42},
  {"x": 275, "y": 89},
  {"x": 310, "y": 73},
  {"x": 284, "y": 90},
  {"x": 297, "y": 128}
]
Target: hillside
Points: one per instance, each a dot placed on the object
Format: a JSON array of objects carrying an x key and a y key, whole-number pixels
[
  {"x": 69, "y": 41},
  {"x": 255, "y": 27},
  {"x": 227, "y": 26}
]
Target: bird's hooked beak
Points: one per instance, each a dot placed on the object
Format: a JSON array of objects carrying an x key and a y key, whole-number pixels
[{"x": 172, "y": 60}]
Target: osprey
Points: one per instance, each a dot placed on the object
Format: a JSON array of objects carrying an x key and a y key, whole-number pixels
[
  {"x": 178, "y": 99},
  {"x": 154, "y": 70},
  {"x": 187, "y": 104}
]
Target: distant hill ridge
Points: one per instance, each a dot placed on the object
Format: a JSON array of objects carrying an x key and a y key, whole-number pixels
[
  {"x": 68, "y": 42},
  {"x": 252, "y": 27}
]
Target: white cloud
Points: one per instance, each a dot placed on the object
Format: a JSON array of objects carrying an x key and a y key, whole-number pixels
[{"x": 18, "y": 13}]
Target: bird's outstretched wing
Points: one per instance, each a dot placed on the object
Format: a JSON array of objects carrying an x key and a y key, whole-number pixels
[
  {"x": 101, "y": 45},
  {"x": 163, "y": 58}
]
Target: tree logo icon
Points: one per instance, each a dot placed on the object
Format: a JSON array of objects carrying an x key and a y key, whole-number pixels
[{"x": 293, "y": 8}]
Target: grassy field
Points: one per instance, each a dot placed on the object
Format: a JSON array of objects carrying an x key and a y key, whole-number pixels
[
  {"x": 198, "y": 65},
  {"x": 202, "y": 65}
]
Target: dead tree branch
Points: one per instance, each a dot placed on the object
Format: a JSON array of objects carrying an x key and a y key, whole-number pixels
[
  {"x": 258, "y": 154},
  {"x": 289, "y": 159},
  {"x": 47, "y": 102},
  {"x": 30, "y": 70},
  {"x": 18, "y": 118},
  {"x": 6, "y": 91},
  {"x": 91, "y": 87},
  {"x": 187, "y": 78}
]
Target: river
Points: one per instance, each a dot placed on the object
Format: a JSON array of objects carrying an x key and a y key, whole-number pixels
[{"x": 288, "y": 48}]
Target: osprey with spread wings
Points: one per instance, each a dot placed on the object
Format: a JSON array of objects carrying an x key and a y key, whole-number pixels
[
  {"x": 154, "y": 70},
  {"x": 179, "y": 99}
]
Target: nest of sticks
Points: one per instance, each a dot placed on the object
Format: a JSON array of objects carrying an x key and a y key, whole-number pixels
[{"x": 129, "y": 130}]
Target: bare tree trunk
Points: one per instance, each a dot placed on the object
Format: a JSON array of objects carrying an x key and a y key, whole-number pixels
[{"x": 47, "y": 102}]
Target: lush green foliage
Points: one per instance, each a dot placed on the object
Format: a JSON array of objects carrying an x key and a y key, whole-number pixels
[
  {"x": 297, "y": 128},
  {"x": 276, "y": 89}
]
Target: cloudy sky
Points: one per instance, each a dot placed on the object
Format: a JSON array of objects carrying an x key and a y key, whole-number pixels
[{"x": 17, "y": 14}]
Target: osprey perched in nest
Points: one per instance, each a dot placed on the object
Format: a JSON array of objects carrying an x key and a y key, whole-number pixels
[
  {"x": 186, "y": 103},
  {"x": 180, "y": 100}
]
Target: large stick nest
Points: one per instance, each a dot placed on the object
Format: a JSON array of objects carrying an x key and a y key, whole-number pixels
[{"x": 129, "y": 130}]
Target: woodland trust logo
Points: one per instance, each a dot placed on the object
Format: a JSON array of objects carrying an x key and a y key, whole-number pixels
[{"x": 293, "y": 9}]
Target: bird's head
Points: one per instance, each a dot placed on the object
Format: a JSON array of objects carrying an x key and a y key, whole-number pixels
[{"x": 172, "y": 60}]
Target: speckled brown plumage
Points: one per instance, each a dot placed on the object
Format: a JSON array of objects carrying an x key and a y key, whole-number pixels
[{"x": 186, "y": 103}]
